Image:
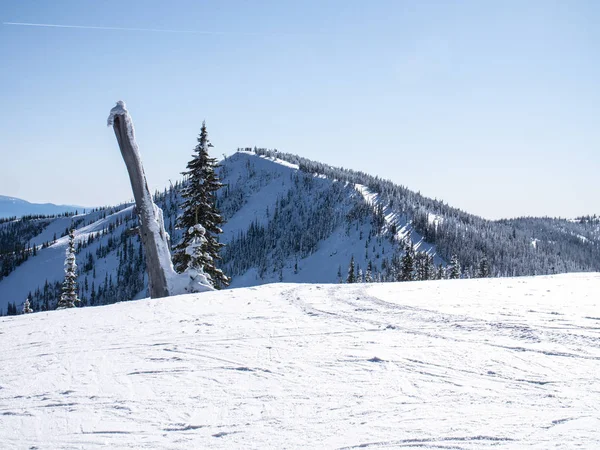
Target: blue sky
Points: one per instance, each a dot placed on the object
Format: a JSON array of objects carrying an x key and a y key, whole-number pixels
[{"x": 491, "y": 106}]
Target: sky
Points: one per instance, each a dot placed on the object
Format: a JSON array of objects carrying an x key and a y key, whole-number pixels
[{"x": 492, "y": 107}]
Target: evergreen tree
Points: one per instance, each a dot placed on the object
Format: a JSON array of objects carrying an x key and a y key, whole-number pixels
[
  {"x": 423, "y": 266},
  {"x": 351, "y": 272},
  {"x": 484, "y": 269},
  {"x": 93, "y": 295},
  {"x": 69, "y": 298},
  {"x": 431, "y": 273},
  {"x": 468, "y": 272},
  {"x": 197, "y": 261},
  {"x": 454, "y": 272},
  {"x": 440, "y": 272},
  {"x": 368, "y": 274},
  {"x": 27, "y": 307},
  {"x": 407, "y": 263},
  {"x": 199, "y": 208}
]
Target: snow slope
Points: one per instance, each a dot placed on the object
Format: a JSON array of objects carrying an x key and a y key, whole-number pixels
[
  {"x": 462, "y": 364},
  {"x": 262, "y": 181},
  {"x": 48, "y": 265},
  {"x": 402, "y": 223}
]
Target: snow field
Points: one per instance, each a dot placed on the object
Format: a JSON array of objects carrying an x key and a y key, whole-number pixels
[{"x": 502, "y": 363}]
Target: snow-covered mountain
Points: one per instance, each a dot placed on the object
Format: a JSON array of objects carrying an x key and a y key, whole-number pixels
[
  {"x": 316, "y": 226},
  {"x": 469, "y": 364},
  {"x": 286, "y": 225},
  {"x": 288, "y": 219},
  {"x": 15, "y": 207}
]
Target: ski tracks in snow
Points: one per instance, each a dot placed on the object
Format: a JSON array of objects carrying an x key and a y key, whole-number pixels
[{"x": 451, "y": 364}]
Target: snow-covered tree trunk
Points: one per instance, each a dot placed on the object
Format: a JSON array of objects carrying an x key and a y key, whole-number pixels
[{"x": 152, "y": 230}]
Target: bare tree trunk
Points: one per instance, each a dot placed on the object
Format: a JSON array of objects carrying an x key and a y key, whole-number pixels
[{"x": 152, "y": 231}]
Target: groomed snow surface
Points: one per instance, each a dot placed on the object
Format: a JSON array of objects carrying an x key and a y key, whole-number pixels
[{"x": 461, "y": 364}]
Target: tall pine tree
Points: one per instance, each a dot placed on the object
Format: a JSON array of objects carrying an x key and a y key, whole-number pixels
[
  {"x": 369, "y": 273},
  {"x": 455, "y": 271},
  {"x": 69, "y": 298},
  {"x": 351, "y": 278},
  {"x": 407, "y": 262},
  {"x": 199, "y": 208},
  {"x": 484, "y": 269}
]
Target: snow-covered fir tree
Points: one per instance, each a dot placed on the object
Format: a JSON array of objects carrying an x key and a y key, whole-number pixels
[
  {"x": 369, "y": 273},
  {"x": 197, "y": 261},
  {"x": 424, "y": 269},
  {"x": 199, "y": 208},
  {"x": 68, "y": 298},
  {"x": 440, "y": 272},
  {"x": 27, "y": 307},
  {"x": 484, "y": 269},
  {"x": 454, "y": 270},
  {"x": 408, "y": 262}
]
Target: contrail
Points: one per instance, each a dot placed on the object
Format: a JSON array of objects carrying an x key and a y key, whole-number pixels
[
  {"x": 88, "y": 27},
  {"x": 156, "y": 30}
]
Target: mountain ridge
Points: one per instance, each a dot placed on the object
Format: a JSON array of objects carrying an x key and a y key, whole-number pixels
[{"x": 293, "y": 220}]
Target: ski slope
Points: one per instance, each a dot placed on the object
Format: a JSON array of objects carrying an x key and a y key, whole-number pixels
[{"x": 461, "y": 364}]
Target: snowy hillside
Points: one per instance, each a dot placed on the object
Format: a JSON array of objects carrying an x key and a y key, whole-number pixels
[
  {"x": 306, "y": 228},
  {"x": 465, "y": 364},
  {"x": 289, "y": 219},
  {"x": 281, "y": 225},
  {"x": 15, "y": 207},
  {"x": 98, "y": 237}
]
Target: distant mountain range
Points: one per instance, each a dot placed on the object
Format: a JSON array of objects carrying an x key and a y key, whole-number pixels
[{"x": 11, "y": 207}]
